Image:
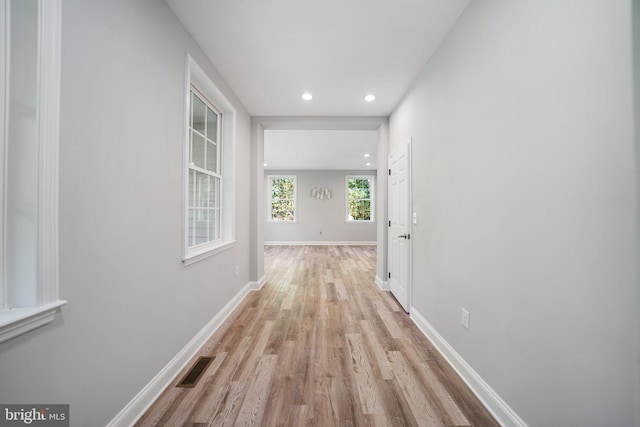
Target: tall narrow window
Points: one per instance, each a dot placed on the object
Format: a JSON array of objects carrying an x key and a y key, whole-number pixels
[
  {"x": 29, "y": 113},
  {"x": 360, "y": 198},
  {"x": 205, "y": 176},
  {"x": 209, "y": 167},
  {"x": 282, "y": 198}
]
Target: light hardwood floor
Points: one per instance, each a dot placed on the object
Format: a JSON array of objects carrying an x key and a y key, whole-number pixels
[{"x": 320, "y": 345}]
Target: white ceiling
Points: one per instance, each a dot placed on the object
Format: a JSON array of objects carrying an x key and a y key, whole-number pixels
[
  {"x": 320, "y": 149},
  {"x": 271, "y": 51}
]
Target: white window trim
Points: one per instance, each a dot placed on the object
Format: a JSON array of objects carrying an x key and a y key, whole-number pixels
[
  {"x": 17, "y": 321},
  {"x": 4, "y": 106},
  {"x": 270, "y": 179},
  {"x": 196, "y": 77},
  {"x": 372, "y": 192}
]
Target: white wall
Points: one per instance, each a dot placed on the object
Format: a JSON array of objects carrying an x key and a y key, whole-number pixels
[
  {"x": 319, "y": 220},
  {"x": 132, "y": 305},
  {"x": 636, "y": 102},
  {"x": 524, "y": 183}
]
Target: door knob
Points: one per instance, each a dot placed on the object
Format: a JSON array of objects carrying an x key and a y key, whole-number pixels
[{"x": 405, "y": 236}]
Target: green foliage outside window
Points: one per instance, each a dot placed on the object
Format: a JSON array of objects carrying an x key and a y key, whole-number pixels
[
  {"x": 283, "y": 199},
  {"x": 359, "y": 199}
]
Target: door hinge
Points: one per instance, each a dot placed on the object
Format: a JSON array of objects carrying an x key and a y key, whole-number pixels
[
  {"x": 389, "y": 172},
  {"x": 389, "y": 223},
  {"x": 389, "y": 275}
]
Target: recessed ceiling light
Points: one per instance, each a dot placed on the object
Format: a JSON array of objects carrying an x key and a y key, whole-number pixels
[
  {"x": 368, "y": 164},
  {"x": 264, "y": 164},
  {"x": 369, "y": 97},
  {"x": 367, "y": 155},
  {"x": 307, "y": 96}
]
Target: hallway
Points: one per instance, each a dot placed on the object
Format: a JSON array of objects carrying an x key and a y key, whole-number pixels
[{"x": 321, "y": 345}]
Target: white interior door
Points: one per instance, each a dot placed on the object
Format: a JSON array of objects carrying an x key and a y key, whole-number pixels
[{"x": 400, "y": 224}]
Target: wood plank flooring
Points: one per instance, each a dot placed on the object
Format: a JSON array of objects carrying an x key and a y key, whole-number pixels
[{"x": 320, "y": 345}]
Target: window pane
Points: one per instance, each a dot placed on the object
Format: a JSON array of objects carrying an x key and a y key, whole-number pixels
[
  {"x": 282, "y": 210},
  {"x": 191, "y": 228},
  {"x": 214, "y": 229},
  {"x": 283, "y": 199},
  {"x": 358, "y": 193},
  {"x": 204, "y": 208},
  {"x": 359, "y": 210},
  {"x": 202, "y": 191},
  {"x": 212, "y": 125},
  {"x": 203, "y": 197},
  {"x": 353, "y": 210},
  {"x": 359, "y": 199},
  {"x": 201, "y": 226},
  {"x": 283, "y": 188},
  {"x": 20, "y": 169},
  {"x": 197, "y": 150},
  {"x": 192, "y": 188},
  {"x": 215, "y": 191},
  {"x": 214, "y": 226},
  {"x": 366, "y": 210},
  {"x": 212, "y": 157},
  {"x": 218, "y": 187},
  {"x": 198, "y": 111}
]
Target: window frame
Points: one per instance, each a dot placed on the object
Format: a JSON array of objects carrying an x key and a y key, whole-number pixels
[
  {"x": 197, "y": 79},
  {"x": 270, "y": 179},
  {"x": 372, "y": 199},
  {"x": 15, "y": 321},
  {"x": 216, "y": 175}
]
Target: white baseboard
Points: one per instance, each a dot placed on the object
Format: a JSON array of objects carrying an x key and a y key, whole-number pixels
[
  {"x": 256, "y": 286},
  {"x": 382, "y": 284},
  {"x": 150, "y": 393},
  {"x": 489, "y": 398},
  {"x": 320, "y": 243}
]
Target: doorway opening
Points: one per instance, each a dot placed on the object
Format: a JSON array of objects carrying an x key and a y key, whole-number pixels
[{"x": 318, "y": 191}]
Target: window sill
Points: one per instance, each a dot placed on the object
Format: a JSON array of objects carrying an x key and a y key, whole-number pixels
[
  {"x": 274, "y": 221},
  {"x": 198, "y": 255},
  {"x": 360, "y": 222},
  {"x": 19, "y": 321}
]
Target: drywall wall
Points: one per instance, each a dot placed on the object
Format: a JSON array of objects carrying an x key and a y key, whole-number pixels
[
  {"x": 319, "y": 220},
  {"x": 524, "y": 185},
  {"x": 132, "y": 305},
  {"x": 636, "y": 103}
]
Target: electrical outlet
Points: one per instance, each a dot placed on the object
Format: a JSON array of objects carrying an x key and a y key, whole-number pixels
[
  {"x": 415, "y": 218},
  {"x": 237, "y": 271},
  {"x": 465, "y": 319}
]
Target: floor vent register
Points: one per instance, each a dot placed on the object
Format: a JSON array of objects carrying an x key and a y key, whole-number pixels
[{"x": 195, "y": 373}]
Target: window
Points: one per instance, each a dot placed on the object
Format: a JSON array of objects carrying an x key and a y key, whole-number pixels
[
  {"x": 209, "y": 167},
  {"x": 204, "y": 172},
  {"x": 360, "y": 198},
  {"x": 282, "y": 198},
  {"x": 29, "y": 112}
]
